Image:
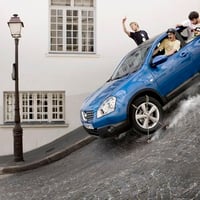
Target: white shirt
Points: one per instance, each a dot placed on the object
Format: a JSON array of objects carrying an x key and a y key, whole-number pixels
[{"x": 190, "y": 26}]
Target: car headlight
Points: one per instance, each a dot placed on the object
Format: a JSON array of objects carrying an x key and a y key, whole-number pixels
[{"x": 106, "y": 107}]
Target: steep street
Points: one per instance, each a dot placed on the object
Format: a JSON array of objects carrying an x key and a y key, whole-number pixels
[{"x": 131, "y": 168}]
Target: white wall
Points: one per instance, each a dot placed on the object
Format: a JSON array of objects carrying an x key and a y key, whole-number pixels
[
  {"x": 77, "y": 75},
  {"x": 39, "y": 135}
]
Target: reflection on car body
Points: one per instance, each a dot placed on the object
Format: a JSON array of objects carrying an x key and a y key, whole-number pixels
[{"x": 140, "y": 87}]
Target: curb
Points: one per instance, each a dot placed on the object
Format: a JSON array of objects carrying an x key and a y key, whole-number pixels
[{"x": 49, "y": 159}]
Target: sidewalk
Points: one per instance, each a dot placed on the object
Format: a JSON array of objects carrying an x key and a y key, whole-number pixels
[{"x": 48, "y": 153}]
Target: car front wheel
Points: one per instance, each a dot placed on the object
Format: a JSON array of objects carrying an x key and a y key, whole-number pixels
[{"x": 147, "y": 114}]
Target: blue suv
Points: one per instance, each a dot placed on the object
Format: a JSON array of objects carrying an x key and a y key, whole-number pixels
[{"x": 139, "y": 88}]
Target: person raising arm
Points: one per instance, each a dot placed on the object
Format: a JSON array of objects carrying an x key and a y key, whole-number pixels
[{"x": 139, "y": 36}]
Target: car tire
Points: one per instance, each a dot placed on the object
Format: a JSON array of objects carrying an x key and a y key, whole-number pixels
[{"x": 146, "y": 115}]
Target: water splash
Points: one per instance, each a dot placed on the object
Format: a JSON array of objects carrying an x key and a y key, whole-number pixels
[
  {"x": 156, "y": 135},
  {"x": 192, "y": 104},
  {"x": 179, "y": 115}
]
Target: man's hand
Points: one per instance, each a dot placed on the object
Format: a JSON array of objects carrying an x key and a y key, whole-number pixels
[
  {"x": 124, "y": 26},
  {"x": 124, "y": 20}
]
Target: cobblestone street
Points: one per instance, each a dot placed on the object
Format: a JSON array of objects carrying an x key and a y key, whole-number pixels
[{"x": 130, "y": 168}]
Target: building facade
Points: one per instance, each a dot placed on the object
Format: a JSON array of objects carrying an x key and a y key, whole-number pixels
[{"x": 68, "y": 49}]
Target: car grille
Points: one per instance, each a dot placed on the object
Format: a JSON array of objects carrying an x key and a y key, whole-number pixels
[{"x": 87, "y": 115}]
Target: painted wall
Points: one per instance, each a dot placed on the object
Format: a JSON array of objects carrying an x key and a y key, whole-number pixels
[{"x": 78, "y": 75}]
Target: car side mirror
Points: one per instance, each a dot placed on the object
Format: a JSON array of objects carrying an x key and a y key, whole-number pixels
[{"x": 159, "y": 59}]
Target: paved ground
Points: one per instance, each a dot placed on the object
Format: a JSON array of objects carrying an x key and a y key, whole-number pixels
[
  {"x": 166, "y": 168},
  {"x": 48, "y": 153}
]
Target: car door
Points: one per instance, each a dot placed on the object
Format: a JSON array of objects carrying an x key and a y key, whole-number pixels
[
  {"x": 194, "y": 48},
  {"x": 175, "y": 71}
]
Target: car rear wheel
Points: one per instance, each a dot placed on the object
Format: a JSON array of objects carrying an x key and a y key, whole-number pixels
[{"x": 147, "y": 115}]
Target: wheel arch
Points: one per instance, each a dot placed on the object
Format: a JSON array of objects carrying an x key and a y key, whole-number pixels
[{"x": 148, "y": 92}]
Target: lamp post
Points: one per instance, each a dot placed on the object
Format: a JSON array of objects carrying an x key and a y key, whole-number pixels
[{"x": 15, "y": 25}]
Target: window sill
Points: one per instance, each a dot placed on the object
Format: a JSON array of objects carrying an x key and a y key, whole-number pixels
[{"x": 73, "y": 55}]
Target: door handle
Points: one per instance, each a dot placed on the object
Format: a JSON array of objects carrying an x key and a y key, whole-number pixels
[{"x": 184, "y": 54}]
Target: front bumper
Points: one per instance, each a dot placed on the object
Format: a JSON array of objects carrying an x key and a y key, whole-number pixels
[{"x": 109, "y": 131}]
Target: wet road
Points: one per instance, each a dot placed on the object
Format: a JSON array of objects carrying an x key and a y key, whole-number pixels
[{"x": 130, "y": 168}]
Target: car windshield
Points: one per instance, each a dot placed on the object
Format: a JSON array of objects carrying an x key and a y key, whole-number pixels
[{"x": 132, "y": 61}]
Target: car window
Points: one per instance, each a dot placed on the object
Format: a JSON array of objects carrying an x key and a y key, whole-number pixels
[
  {"x": 159, "y": 52},
  {"x": 162, "y": 52},
  {"x": 132, "y": 61}
]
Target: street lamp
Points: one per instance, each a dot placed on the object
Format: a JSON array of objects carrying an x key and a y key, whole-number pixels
[{"x": 15, "y": 25}]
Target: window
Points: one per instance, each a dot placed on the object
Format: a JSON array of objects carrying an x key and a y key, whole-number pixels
[
  {"x": 72, "y": 26},
  {"x": 36, "y": 106}
]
